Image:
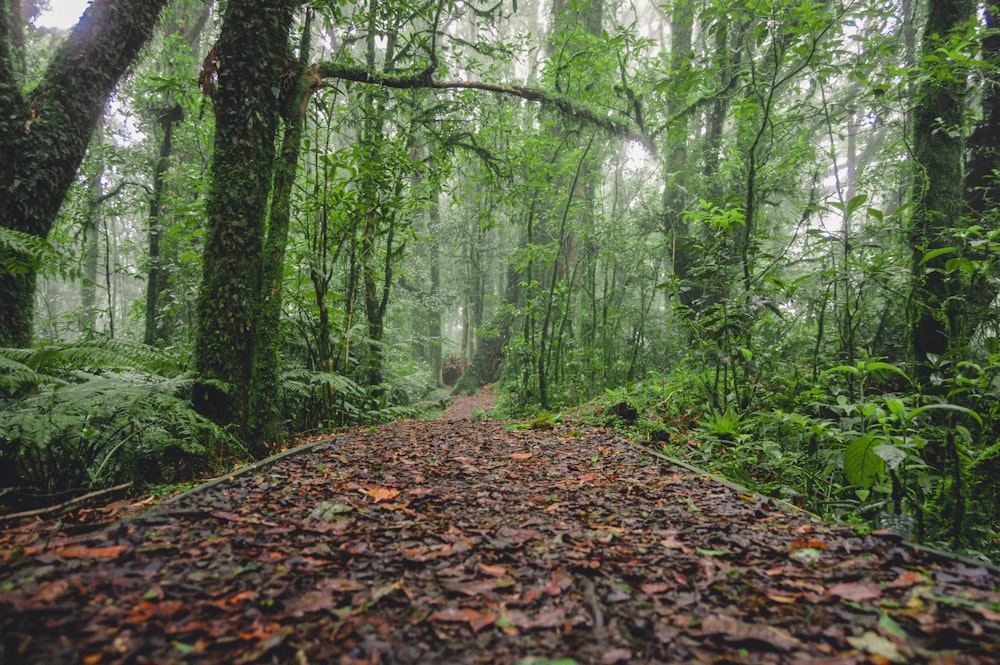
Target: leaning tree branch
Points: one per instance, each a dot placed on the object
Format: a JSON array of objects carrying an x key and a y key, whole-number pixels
[{"x": 328, "y": 70}]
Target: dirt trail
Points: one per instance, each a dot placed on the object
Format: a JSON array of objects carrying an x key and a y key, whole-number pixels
[
  {"x": 463, "y": 542},
  {"x": 463, "y": 407}
]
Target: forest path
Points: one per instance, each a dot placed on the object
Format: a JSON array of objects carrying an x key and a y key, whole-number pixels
[
  {"x": 464, "y": 542},
  {"x": 464, "y": 407}
]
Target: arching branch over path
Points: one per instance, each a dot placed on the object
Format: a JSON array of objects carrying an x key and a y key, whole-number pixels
[{"x": 327, "y": 70}]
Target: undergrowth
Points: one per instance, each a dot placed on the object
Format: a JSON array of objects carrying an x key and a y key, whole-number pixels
[
  {"x": 75, "y": 417},
  {"x": 82, "y": 416}
]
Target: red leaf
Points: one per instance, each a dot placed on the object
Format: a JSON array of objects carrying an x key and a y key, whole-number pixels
[{"x": 807, "y": 543}]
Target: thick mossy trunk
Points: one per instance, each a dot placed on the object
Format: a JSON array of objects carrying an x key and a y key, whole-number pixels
[
  {"x": 251, "y": 56},
  {"x": 44, "y": 134},
  {"x": 982, "y": 185},
  {"x": 264, "y": 427},
  {"x": 938, "y": 153}
]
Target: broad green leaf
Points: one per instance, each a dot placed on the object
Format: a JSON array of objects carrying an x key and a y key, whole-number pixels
[
  {"x": 896, "y": 408},
  {"x": 946, "y": 407},
  {"x": 842, "y": 368},
  {"x": 876, "y": 367},
  {"x": 891, "y": 455},
  {"x": 851, "y": 206},
  {"x": 934, "y": 253},
  {"x": 861, "y": 465},
  {"x": 963, "y": 264}
]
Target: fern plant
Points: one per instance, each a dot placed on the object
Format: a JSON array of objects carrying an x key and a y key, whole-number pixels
[{"x": 74, "y": 417}]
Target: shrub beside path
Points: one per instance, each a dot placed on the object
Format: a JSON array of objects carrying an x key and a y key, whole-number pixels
[{"x": 455, "y": 541}]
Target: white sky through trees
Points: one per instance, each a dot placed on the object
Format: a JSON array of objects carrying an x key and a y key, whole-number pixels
[{"x": 64, "y": 13}]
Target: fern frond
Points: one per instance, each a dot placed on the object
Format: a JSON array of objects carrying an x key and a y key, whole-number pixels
[
  {"x": 16, "y": 378},
  {"x": 110, "y": 428},
  {"x": 303, "y": 383},
  {"x": 95, "y": 357},
  {"x": 22, "y": 252}
]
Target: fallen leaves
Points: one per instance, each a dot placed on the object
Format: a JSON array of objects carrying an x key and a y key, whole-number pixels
[
  {"x": 459, "y": 541},
  {"x": 381, "y": 493},
  {"x": 734, "y": 630},
  {"x": 476, "y": 620},
  {"x": 108, "y": 552}
]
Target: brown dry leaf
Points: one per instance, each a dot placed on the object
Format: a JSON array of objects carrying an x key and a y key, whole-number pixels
[
  {"x": 520, "y": 456},
  {"x": 906, "y": 579},
  {"x": 490, "y": 569},
  {"x": 546, "y": 618},
  {"x": 740, "y": 631},
  {"x": 854, "y": 592},
  {"x": 50, "y": 591},
  {"x": 381, "y": 493},
  {"x": 428, "y": 553},
  {"x": 653, "y": 588},
  {"x": 619, "y": 655},
  {"x": 476, "y": 620},
  {"x": 474, "y": 587}
]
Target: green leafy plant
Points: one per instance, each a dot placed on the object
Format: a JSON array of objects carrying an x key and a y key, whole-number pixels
[{"x": 84, "y": 416}]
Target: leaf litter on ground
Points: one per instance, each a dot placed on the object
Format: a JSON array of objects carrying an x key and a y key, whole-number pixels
[{"x": 463, "y": 542}]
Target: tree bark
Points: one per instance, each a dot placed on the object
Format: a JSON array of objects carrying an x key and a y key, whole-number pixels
[
  {"x": 252, "y": 55},
  {"x": 938, "y": 117},
  {"x": 982, "y": 186},
  {"x": 264, "y": 406},
  {"x": 156, "y": 281},
  {"x": 44, "y": 134}
]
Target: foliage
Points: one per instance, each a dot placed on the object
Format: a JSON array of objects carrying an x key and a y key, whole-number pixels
[{"x": 81, "y": 416}]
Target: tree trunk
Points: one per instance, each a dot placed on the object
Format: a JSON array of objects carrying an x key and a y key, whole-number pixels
[
  {"x": 982, "y": 186},
  {"x": 434, "y": 315},
  {"x": 938, "y": 194},
  {"x": 157, "y": 278},
  {"x": 264, "y": 405},
  {"x": 44, "y": 134},
  {"x": 252, "y": 56},
  {"x": 675, "y": 191},
  {"x": 91, "y": 252},
  {"x": 185, "y": 22}
]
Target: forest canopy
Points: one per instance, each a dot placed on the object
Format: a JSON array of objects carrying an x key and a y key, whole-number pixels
[{"x": 760, "y": 234}]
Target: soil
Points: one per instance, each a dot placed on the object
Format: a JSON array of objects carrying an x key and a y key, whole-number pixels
[{"x": 463, "y": 407}]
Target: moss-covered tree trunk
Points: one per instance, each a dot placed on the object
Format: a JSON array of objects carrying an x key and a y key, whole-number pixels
[
  {"x": 982, "y": 185},
  {"x": 251, "y": 57},
  {"x": 938, "y": 155},
  {"x": 44, "y": 132},
  {"x": 264, "y": 406}
]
